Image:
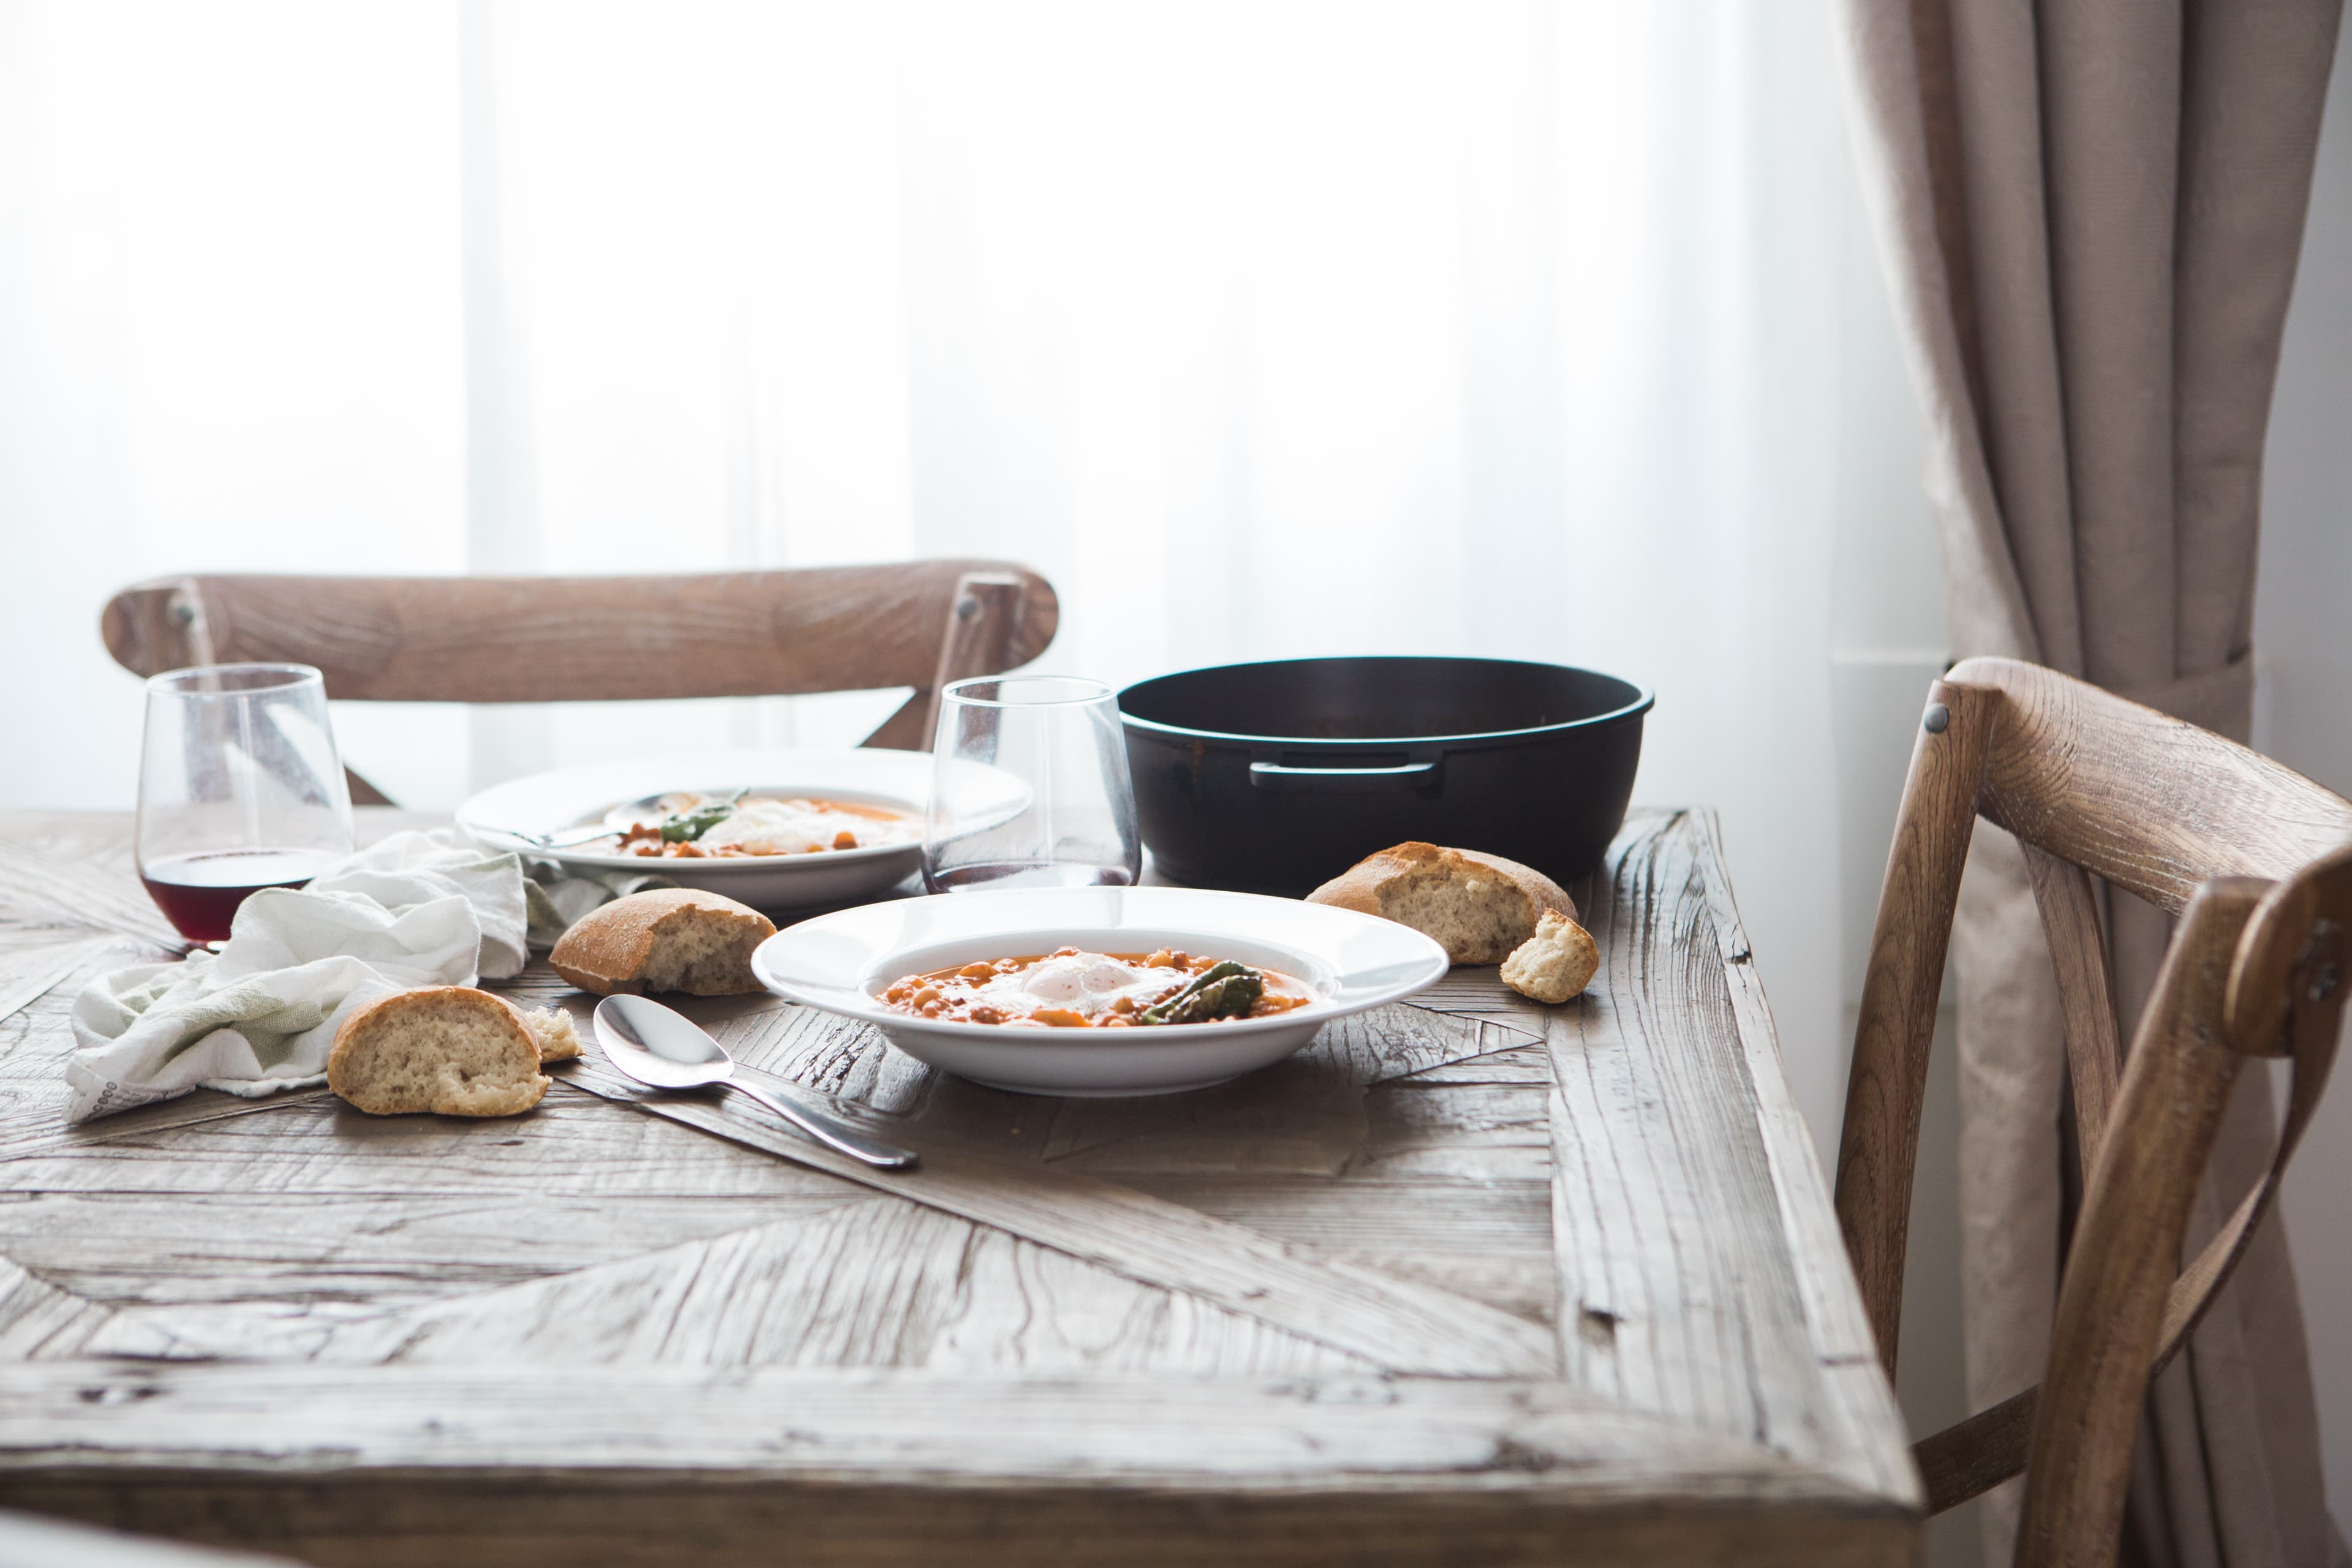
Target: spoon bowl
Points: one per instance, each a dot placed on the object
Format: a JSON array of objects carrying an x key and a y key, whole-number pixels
[{"x": 663, "y": 1049}]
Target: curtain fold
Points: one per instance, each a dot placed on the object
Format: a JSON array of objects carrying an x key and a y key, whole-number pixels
[{"x": 2090, "y": 215}]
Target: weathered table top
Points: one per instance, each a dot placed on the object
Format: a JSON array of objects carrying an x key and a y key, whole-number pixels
[{"x": 1469, "y": 1279}]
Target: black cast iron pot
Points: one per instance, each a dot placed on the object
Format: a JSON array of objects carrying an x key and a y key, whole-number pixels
[{"x": 1277, "y": 777}]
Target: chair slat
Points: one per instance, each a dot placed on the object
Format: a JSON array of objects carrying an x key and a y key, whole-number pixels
[
  {"x": 564, "y": 639},
  {"x": 1970, "y": 1457},
  {"x": 2139, "y": 797},
  {"x": 2087, "y": 997}
]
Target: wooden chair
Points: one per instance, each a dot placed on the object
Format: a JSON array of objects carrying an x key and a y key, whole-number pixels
[
  {"x": 2252, "y": 859},
  {"x": 576, "y": 639}
]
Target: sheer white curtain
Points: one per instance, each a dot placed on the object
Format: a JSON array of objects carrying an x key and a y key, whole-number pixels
[{"x": 1263, "y": 329}]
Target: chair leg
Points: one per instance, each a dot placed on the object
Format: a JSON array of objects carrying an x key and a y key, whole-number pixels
[
  {"x": 2177, "y": 1080},
  {"x": 1888, "y": 1079},
  {"x": 983, "y": 619}
]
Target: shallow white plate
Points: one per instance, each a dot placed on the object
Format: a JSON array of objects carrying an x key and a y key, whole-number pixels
[
  {"x": 842, "y": 961},
  {"x": 575, "y": 798}
]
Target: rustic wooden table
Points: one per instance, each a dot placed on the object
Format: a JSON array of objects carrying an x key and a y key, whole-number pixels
[{"x": 1470, "y": 1280}]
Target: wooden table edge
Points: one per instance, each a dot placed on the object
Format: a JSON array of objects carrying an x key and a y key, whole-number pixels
[
  {"x": 835, "y": 1425},
  {"x": 1867, "y": 1444}
]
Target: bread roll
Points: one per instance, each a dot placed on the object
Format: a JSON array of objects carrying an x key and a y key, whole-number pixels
[
  {"x": 671, "y": 938},
  {"x": 1556, "y": 963},
  {"x": 445, "y": 1049},
  {"x": 1479, "y": 908}
]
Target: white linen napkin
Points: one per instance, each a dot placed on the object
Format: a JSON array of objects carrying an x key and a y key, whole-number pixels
[{"x": 418, "y": 909}]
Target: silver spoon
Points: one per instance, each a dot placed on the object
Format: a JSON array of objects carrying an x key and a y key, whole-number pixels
[
  {"x": 569, "y": 838},
  {"x": 663, "y": 1049}
]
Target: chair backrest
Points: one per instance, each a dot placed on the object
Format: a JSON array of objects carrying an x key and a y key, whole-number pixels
[
  {"x": 569, "y": 639},
  {"x": 2253, "y": 859}
]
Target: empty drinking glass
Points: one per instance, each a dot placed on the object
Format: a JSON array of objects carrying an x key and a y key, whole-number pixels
[
  {"x": 1029, "y": 788},
  {"x": 239, "y": 789}
]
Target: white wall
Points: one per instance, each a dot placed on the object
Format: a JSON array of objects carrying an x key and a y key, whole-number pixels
[{"x": 2302, "y": 641}]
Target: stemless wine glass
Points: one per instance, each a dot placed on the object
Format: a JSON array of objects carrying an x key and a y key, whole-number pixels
[
  {"x": 1029, "y": 788},
  {"x": 239, "y": 789}
]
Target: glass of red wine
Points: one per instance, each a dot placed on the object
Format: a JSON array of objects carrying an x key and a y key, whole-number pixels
[
  {"x": 1029, "y": 788},
  {"x": 240, "y": 788}
]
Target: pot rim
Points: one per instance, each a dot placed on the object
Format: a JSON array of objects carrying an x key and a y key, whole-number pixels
[{"x": 1643, "y": 701}]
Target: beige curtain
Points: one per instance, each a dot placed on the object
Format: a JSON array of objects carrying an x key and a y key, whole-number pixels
[{"x": 2090, "y": 212}]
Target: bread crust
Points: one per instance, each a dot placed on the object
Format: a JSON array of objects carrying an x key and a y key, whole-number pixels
[
  {"x": 1358, "y": 886},
  {"x": 606, "y": 949},
  {"x": 346, "y": 1058}
]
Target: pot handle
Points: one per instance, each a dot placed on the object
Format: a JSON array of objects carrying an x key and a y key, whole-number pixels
[{"x": 1343, "y": 781}]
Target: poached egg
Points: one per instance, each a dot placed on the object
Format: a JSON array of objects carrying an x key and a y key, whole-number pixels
[{"x": 1087, "y": 982}]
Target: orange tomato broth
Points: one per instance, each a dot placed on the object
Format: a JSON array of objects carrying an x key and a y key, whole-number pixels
[{"x": 954, "y": 992}]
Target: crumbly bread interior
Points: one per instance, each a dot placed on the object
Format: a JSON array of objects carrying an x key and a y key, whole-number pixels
[
  {"x": 552, "y": 1030},
  {"x": 1476, "y": 915},
  {"x": 1554, "y": 964},
  {"x": 702, "y": 953},
  {"x": 437, "y": 1052}
]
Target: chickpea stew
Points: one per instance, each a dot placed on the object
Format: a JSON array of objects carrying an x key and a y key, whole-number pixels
[
  {"x": 686, "y": 826},
  {"x": 1072, "y": 989}
]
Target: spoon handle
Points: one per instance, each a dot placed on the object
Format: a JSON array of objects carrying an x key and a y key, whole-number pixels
[
  {"x": 567, "y": 839},
  {"x": 828, "y": 1131}
]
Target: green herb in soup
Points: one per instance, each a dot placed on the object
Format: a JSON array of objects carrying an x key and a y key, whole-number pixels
[{"x": 1223, "y": 990}]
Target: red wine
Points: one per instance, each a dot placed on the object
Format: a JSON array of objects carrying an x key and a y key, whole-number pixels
[
  {"x": 200, "y": 893},
  {"x": 1027, "y": 874}
]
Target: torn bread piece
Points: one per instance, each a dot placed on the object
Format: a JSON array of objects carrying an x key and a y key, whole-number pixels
[
  {"x": 670, "y": 939},
  {"x": 552, "y": 1030},
  {"x": 1556, "y": 963},
  {"x": 1479, "y": 908},
  {"x": 450, "y": 1049}
]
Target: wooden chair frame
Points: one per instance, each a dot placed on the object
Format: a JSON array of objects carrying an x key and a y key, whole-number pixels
[
  {"x": 2252, "y": 859},
  {"x": 574, "y": 639}
]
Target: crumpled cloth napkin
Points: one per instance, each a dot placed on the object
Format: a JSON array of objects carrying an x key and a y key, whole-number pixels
[{"x": 418, "y": 908}]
